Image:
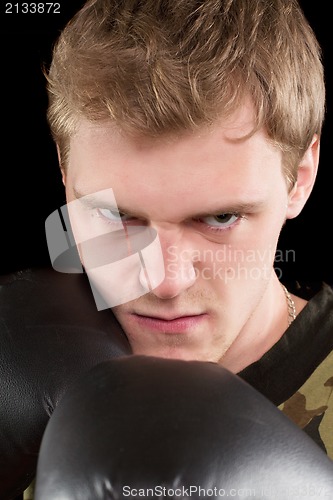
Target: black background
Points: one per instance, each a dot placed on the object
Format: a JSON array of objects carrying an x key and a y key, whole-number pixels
[{"x": 31, "y": 186}]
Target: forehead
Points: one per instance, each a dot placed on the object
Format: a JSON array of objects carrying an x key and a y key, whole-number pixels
[
  {"x": 237, "y": 126},
  {"x": 216, "y": 161}
]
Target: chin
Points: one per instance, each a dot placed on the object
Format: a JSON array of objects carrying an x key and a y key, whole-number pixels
[{"x": 174, "y": 353}]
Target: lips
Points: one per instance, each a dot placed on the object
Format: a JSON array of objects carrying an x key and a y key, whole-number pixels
[
  {"x": 168, "y": 316},
  {"x": 183, "y": 323}
]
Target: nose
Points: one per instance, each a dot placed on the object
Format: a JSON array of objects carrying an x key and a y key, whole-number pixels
[{"x": 180, "y": 272}]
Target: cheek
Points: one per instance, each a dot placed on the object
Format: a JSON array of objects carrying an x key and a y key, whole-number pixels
[
  {"x": 69, "y": 188},
  {"x": 247, "y": 257},
  {"x": 264, "y": 231}
]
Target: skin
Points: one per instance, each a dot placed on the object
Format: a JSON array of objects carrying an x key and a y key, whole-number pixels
[{"x": 179, "y": 186}]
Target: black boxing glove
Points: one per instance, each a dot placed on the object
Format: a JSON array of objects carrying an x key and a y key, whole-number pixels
[
  {"x": 148, "y": 427},
  {"x": 50, "y": 333}
]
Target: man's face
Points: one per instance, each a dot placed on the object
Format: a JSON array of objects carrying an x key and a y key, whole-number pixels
[{"x": 218, "y": 203}]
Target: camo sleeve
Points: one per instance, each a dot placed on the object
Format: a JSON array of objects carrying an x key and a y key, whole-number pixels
[{"x": 311, "y": 407}]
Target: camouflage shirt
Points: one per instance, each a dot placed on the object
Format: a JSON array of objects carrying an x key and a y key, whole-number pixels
[{"x": 296, "y": 374}]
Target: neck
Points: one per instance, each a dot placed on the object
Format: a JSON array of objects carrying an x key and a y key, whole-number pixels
[{"x": 264, "y": 328}]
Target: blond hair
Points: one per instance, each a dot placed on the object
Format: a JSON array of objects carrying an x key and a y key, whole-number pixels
[{"x": 159, "y": 67}]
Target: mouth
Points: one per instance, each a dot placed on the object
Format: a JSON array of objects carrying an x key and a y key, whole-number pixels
[{"x": 184, "y": 323}]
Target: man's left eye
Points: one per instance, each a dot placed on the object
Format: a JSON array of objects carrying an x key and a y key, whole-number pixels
[{"x": 221, "y": 220}]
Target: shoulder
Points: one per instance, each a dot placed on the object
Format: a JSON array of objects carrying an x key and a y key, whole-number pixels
[
  {"x": 311, "y": 406},
  {"x": 309, "y": 291}
]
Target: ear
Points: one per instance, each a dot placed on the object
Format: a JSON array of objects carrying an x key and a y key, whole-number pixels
[
  {"x": 63, "y": 173},
  {"x": 306, "y": 176}
]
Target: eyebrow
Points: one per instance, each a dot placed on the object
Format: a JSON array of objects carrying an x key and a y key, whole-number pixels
[
  {"x": 86, "y": 197},
  {"x": 237, "y": 207},
  {"x": 93, "y": 201}
]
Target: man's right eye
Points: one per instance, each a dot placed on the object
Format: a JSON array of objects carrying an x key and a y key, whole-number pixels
[{"x": 113, "y": 216}]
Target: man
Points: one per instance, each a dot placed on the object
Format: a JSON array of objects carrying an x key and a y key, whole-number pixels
[{"x": 200, "y": 122}]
